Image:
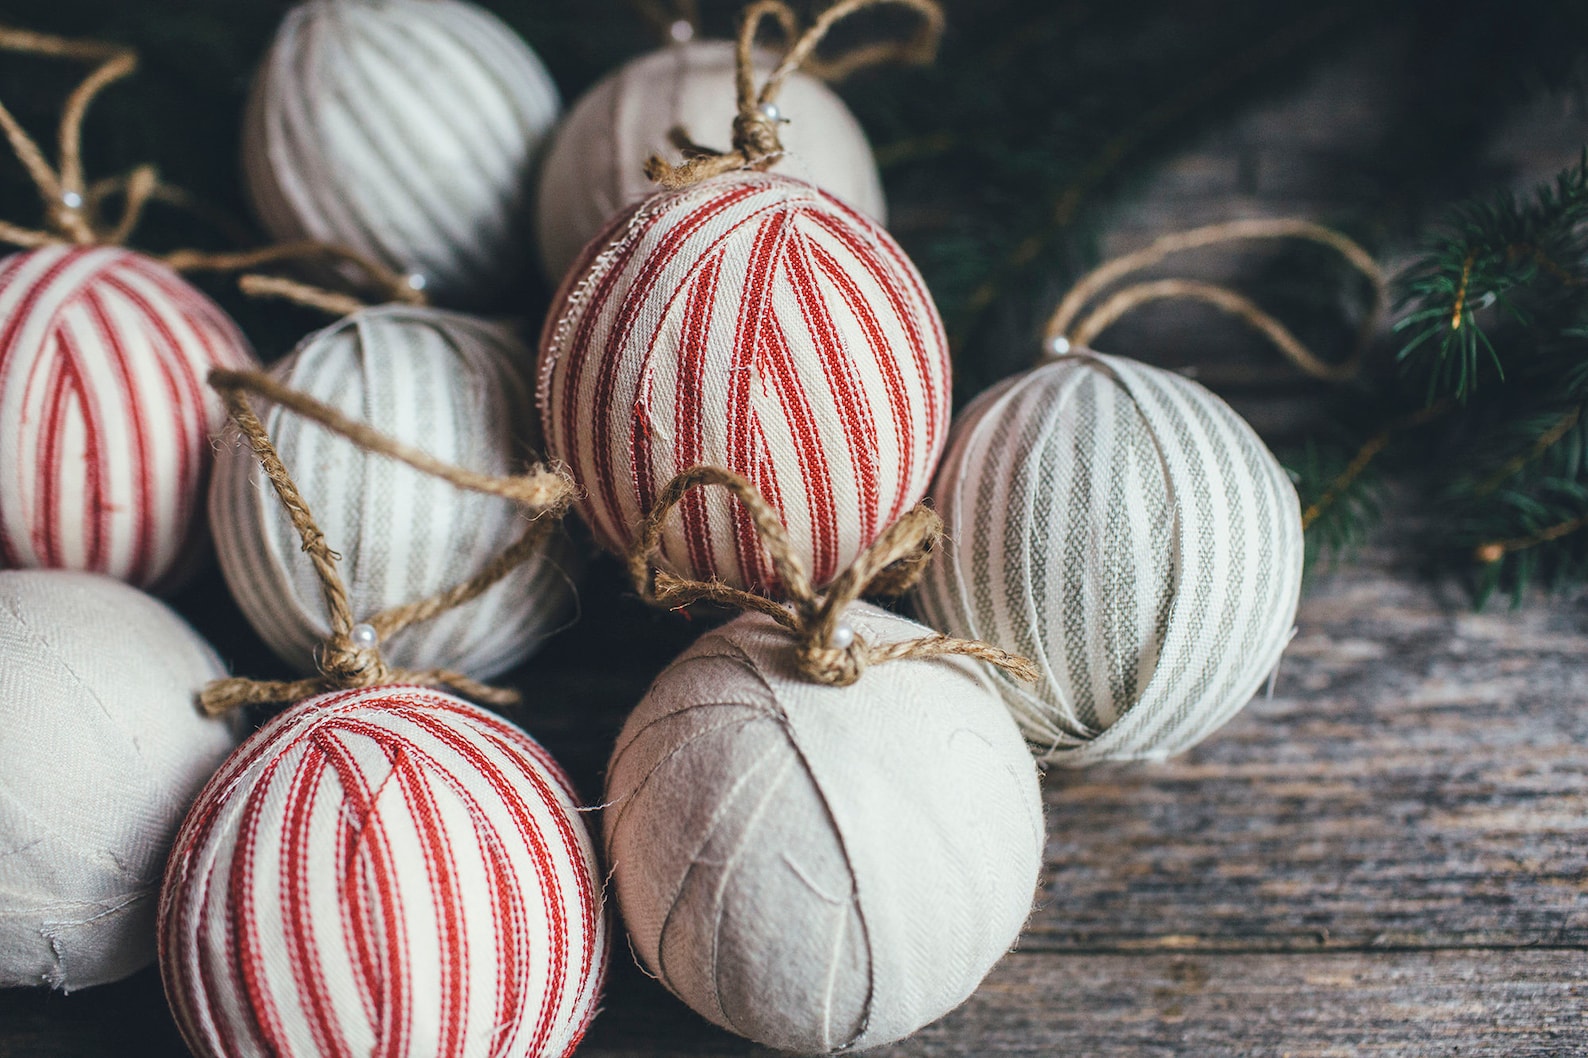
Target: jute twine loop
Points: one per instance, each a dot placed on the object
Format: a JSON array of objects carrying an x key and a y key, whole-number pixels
[
  {"x": 826, "y": 649},
  {"x": 387, "y": 285},
  {"x": 755, "y": 139},
  {"x": 343, "y": 662},
  {"x": 1066, "y": 328},
  {"x": 67, "y": 212}
]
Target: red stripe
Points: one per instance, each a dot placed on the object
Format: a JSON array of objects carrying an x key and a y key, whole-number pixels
[
  {"x": 303, "y": 955},
  {"x": 606, "y": 515}
]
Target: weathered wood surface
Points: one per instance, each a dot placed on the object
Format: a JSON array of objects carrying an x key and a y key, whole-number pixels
[{"x": 1387, "y": 857}]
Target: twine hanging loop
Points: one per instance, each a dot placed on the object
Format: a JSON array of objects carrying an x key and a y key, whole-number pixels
[
  {"x": 350, "y": 656},
  {"x": 755, "y": 143},
  {"x": 826, "y": 648},
  {"x": 1068, "y": 328}
]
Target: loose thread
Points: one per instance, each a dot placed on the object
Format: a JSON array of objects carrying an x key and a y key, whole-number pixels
[
  {"x": 545, "y": 494},
  {"x": 755, "y": 142},
  {"x": 826, "y": 649},
  {"x": 1067, "y": 327}
]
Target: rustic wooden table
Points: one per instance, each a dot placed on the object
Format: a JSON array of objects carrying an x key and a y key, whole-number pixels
[{"x": 1387, "y": 856}]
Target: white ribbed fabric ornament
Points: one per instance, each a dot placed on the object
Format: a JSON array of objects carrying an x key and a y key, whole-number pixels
[
  {"x": 445, "y": 383},
  {"x": 1120, "y": 526},
  {"x": 821, "y": 868},
  {"x": 756, "y": 323},
  {"x": 595, "y": 167},
  {"x": 104, "y": 749},
  {"x": 404, "y": 129},
  {"x": 389, "y": 871},
  {"x": 104, "y": 416}
]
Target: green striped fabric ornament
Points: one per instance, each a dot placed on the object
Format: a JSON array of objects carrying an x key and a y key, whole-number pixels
[{"x": 1126, "y": 530}]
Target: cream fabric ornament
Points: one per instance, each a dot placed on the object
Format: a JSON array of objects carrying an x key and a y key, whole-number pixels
[
  {"x": 104, "y": 749},
  {"x": 821, "y": 868},
  {"x": 407, "y": 130},
  {"x": 595, "y": 167},
  {"x": 447, "y": 384},
  {"x": 389, "y": 871},
  {"x": 1121, "y": 527}
]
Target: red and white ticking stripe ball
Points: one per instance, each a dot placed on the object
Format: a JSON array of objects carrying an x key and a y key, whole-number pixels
[
  {"x": 752, "y": 322},
  {"x": 387, "y": 871},
  {"x": 105, "y": 419}
]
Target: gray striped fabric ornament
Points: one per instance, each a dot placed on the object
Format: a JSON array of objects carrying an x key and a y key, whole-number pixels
[
  {"x": 404, "y": 129},
  {"x": 1123, "y": 528},
  {"x": 821, "y": 868},
  {"x": 448, "y": 384},
  {"x": 595, "y": 168}
]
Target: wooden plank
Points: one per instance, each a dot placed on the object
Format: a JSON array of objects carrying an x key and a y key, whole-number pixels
[
  {"x": 1515, "y": 1004},
  {"x": 1419, "y": 779}
]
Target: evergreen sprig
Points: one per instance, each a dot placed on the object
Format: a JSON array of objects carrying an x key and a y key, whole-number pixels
[{"x": 1494, "y": 375}]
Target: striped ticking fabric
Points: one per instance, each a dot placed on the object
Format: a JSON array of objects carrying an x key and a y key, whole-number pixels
[
  {"x": 448, "y": 384},
  {"x": 389, "y": 871},
  {"x": 757, "y": 323},
  {"x": 1126, "y": 530},
  {"x": 406, "y": 129},
  {"x": 595, "y": 166},
  {"x": 104, "y": 415}
]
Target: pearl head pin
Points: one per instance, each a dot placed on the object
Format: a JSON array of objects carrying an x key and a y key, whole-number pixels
[
  {"x": 682, "y": 31},
  {"x": 1058, "y": 345},
  {"x": 72, "y": 199},
  {"x": 843, "y": 636},
  {"x": 363, "y": 636},
  {"x": 416, "y": 281},
  {"x": 771, "y": 112}
]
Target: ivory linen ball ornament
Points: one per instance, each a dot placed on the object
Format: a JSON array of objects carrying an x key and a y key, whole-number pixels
[
  {"x": 444, "y": 383},
  {"x": 407, "y": 130},
  {"x": 387, "y": 871},
  {"x": 757, "y": 323},
  {"x": 1124, "y": 529},
  {"x": 104, "y": 749},
  {"x": 105, "y": 420},
  {"x": 821, "y": 868},
  {"x": 595, "y": 166}
]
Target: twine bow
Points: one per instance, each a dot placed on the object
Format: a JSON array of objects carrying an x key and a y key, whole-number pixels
[
  {"x": 1067, "y": 328},
  {"x": 71, "y": 206},
  {"x": 827, "y": 649},
  {"x": 755, "y": 139},
  {"x": 348, "y": 659}
]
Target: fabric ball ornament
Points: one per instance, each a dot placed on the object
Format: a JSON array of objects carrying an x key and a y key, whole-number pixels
[
  {"x": 1124, "y": 529},
  {"x": 105, "y": 748},
  {"x": 405, "y": 129},
  {"x": 445, "y": 383},
  {"x": 388, "y": 871},
  {"x": 821, "y": 868},
  {"x": 595, "y": 167},
  {"x": 756, "y": 323},
  {"x": 104, "y": 416}
]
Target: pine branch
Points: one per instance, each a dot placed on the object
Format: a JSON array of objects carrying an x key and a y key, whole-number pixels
[{"x": 1523, "y": 259}]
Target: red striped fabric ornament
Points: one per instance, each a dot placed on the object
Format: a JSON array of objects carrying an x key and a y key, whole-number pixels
[
  {"x": 105, "y": 419},
  {"x": 388, "y": 871},
  {"x": 753, "y": 322}
]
